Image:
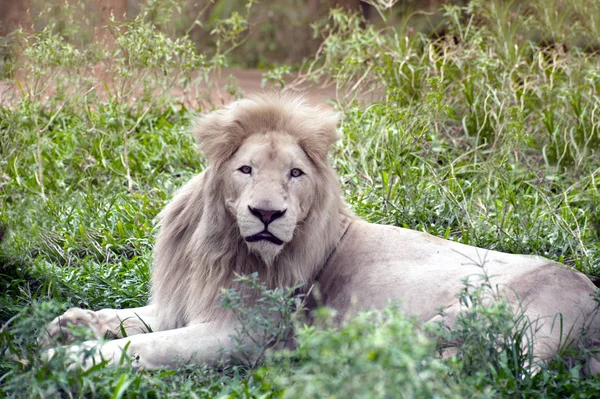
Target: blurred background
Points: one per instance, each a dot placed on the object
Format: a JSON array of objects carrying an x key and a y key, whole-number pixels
[
  {"x": 241, "y": 39},
  {"x": 278, "y": 31}
]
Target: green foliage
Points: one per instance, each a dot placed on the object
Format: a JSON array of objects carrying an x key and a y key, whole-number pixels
[
  {"x": 24, "y": 374},
  {"x": 491, "y": 338},
  {"x": 488, "y": 135},
  {"x": 376, "y": 355},
  {"x": 264, "y": 317},
  {"x": 466, "y": 142}
]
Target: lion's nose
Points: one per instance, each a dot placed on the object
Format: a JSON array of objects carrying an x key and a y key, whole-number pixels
[{"x": 266, "y": 216}]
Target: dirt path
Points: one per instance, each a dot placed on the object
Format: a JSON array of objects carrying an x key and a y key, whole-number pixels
[{"x": 248, "y": 80}]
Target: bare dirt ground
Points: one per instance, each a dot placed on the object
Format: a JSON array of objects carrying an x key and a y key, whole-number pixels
[{"x": 248, "y": 81}]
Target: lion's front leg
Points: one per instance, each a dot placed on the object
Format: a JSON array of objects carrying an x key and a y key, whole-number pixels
[
  {"x": 202, "y": 343},
  {"x": 105, "y": 323}
]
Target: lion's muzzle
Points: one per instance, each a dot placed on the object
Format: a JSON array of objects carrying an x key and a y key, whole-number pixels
[{"x": 266, "y": 217}]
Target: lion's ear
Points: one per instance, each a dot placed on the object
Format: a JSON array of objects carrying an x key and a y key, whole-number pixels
[
  {"x": 321, "y": 132},
  {"x": 218, "y": 135}
]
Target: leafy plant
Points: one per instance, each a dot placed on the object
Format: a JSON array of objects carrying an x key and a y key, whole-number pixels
[
  {"x": 264, "y": 317},
  {"x": 376, "y": 355}
]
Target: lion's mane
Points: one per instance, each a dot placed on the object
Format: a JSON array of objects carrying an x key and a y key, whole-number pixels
[{"x": 199, "y": 249}]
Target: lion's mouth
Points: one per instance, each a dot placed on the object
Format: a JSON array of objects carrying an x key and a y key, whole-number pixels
[{"x": 264, "y": 235}]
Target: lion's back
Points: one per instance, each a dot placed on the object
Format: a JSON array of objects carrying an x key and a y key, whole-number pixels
[{"x": 376, "y": 264}]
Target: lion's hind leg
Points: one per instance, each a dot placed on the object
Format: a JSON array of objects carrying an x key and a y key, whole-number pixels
[{"x": 487, "y": 327}]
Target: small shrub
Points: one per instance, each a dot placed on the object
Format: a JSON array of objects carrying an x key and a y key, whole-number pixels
[
  {"x": 376, "y": 355},
  {"x": 264, "y": 317}
]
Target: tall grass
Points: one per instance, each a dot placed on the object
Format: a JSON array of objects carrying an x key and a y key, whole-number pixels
[
  {"x": 487, "y": 135},
  {"x": 491, "y": 138}
]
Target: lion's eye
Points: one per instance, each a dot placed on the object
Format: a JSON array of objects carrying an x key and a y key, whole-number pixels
[
  {"x": 245, "y": 169},
  {"x": 296, "y": 172}
]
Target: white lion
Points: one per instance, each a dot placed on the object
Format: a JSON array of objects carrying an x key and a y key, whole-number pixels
[{"x": 270, "y": 203}]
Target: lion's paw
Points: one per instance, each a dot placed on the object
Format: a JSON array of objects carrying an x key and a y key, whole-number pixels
[
  {"x": 63, "y": 328},
  {"x": 86, "y": 354}
]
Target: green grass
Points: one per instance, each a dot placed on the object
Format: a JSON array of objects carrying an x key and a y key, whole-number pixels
[{"x": 487, "y": 136}]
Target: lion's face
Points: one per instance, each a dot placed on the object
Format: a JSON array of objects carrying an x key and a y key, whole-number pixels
[{"x": 269, "y": 190}]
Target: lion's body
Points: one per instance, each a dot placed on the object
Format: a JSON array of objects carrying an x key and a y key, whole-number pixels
[
  {"x": 376, "y": 264},
  {"x": 270, "y": 203}
]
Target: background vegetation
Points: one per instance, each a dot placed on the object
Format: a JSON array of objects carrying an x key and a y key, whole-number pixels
[{"x": 485, "y": 133}]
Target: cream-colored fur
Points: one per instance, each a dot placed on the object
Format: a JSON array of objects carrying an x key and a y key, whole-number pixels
[{"x": 270, "y": 203}]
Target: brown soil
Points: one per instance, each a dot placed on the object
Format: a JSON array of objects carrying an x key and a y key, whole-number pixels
[{"x": 248, "y": 80}]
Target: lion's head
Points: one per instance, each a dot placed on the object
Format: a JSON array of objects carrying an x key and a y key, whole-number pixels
[
  {"x": 271, "y": 156},
  {"x": 268, "y": 202}
]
